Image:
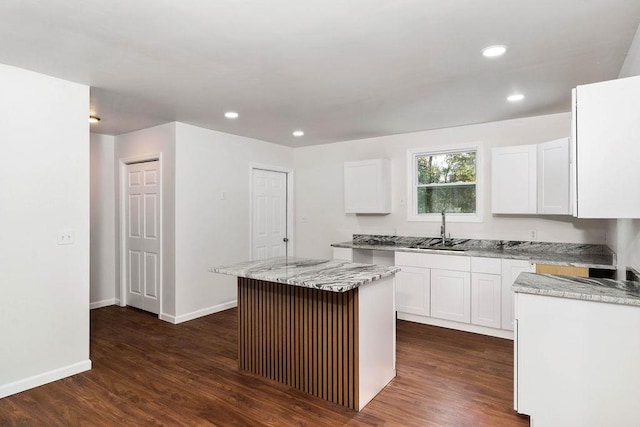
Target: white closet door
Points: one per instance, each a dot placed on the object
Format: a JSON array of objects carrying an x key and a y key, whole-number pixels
[
  {"x": 269, "y": 216},
  {"x": 142, "y": 210}
]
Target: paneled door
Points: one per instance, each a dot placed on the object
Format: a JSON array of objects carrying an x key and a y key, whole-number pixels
[
  {"x": 269, "y": 214},
  {"x": 142, "y": 210}
]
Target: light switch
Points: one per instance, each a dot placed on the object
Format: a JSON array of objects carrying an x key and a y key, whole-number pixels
[{"x": 66, "y": 237}]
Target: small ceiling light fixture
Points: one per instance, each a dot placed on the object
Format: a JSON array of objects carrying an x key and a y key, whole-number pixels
[
  {"x": 298, "y": 133},
  {"x": 94, "y": 119},
  {"x": 494, "y": 51},
  {"x": 515, "y": 97},
  {"x": 231, "y": 115}
]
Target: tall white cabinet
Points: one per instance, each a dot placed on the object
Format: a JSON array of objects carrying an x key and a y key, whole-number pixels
[{"x": 606, "y": 128}]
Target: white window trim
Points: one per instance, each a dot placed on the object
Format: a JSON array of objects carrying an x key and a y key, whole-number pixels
[{"x": 411, "y": 179}]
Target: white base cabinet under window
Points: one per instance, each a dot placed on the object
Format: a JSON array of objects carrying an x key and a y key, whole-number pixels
[
  {"x": 451, "y": 295},
  {"x": 413, "y": 290}
]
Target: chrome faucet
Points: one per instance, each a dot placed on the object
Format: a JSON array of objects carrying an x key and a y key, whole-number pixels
[{"x": 443, "y": 229}]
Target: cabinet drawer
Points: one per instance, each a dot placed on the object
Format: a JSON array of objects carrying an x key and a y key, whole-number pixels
[
  {"x": 486, "y": 265},
  {"x": 447, "y": 262}
]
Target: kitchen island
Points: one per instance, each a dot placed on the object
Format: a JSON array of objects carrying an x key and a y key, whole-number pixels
[{"x": 324, "y": 327}]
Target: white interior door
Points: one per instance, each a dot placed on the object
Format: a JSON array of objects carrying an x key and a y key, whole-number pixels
[
  {"x": 142, "y": 211},
  {"x": 269, "y": 214}
]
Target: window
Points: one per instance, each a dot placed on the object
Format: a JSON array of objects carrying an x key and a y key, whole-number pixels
[{"x": 444, "y": 179}]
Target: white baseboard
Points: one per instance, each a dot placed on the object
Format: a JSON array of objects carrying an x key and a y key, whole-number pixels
[
  {"x": 499, "y": 333},
  {"x": 104, "y": 303},
  {"x": 198, "y": 313},
  {"x": 44, "y": 378}
]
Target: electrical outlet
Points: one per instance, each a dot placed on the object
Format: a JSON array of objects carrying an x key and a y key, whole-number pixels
[
  {"x": 533, "y": 234},
  {"x": 66, "y": 237}
]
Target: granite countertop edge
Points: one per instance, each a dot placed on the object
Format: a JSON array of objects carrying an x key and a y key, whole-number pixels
[
  {"x": 554, "y": 258},
  {"x": 621, "y": 292},
  {"x": 327, "y": 275}
]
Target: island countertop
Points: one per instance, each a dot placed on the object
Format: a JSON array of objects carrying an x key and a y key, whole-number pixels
[
  {"x": 328, "y": 275},
  {"x": 622, "y": 292}
]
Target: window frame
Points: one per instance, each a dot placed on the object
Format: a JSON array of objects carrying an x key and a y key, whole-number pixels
[{"x": 412, "y": 183}]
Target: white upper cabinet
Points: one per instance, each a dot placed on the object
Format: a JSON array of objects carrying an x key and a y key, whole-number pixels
[
  {"x": 531, "y": 179},
  {"x": 513, "y": 180},
  {"x": 606, "y": 119},
  {"x": 367, "y": 187},
  {"x": 553, "y": 177}
]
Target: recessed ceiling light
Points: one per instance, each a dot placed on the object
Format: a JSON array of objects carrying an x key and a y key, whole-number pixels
[
  {"x": 515, "y": 97},
  {"x": 94, "y": 119},
  {"x": 231, "y": 115},
  {"x": 494, "y": 51},
  {"x": 298, "y": 133}
]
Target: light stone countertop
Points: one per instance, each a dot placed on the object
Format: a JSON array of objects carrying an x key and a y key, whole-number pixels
[
  {"x": 571, "y": 254},
  {"x": 328, "y": 275},
  {"x": 591, "y": 289}
]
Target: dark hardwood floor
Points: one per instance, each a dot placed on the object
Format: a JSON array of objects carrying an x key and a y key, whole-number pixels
[{"x": 148, "y": 372}]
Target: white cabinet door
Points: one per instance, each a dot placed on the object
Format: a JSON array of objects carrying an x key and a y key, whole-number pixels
[
  {"x": 367, "y": 187},
  {"x": 486, "y": 299},
  {"x": 451, "y": 295},
  {"x": 553, "y": 177},
  {"x": 412, "y": 290},
  {"x": 607, "y": 130},
  {"x": 511, "y": 269},
  {"x": 513, "y": 180}
]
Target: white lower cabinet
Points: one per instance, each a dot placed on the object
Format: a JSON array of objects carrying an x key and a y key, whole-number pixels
[
  {"x": 486, "y": 299},
  {"x": 457, "y": 291},
  {"x": 511, "y": 269},
  {"x": 451, "y": 295},
  {"x": 576, "y": 362},
  {"x": 413, "y": 290}
]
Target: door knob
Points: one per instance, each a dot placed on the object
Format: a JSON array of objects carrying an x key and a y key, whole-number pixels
[{"x": 286, "y": 239}]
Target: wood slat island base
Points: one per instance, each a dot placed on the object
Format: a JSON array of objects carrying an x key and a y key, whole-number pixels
[{"x": 338, "y": 346}]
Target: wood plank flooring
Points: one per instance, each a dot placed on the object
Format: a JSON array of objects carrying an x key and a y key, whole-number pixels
[{"x": 147, "y": 372}]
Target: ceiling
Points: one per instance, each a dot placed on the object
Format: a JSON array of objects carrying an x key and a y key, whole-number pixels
[{"x": 339, "y": 70}]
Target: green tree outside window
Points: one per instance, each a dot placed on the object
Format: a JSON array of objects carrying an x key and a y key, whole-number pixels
[{"x": 446, "y": 181}]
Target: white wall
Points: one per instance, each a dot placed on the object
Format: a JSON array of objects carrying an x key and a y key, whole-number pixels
[
  {"x": 320, "y": 218},
  {"x": 631, "y": 65},
  {"x": 103, "y": 221},
  {"x": 44, "y": 188},
  {"x": 211, "y": 231},
  {"x": 155, "y": 141}
]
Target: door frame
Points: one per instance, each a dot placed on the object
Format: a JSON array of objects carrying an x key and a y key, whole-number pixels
[
  {"x": 290, "y": 216},
  {"x": 122, "y": 185}
]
